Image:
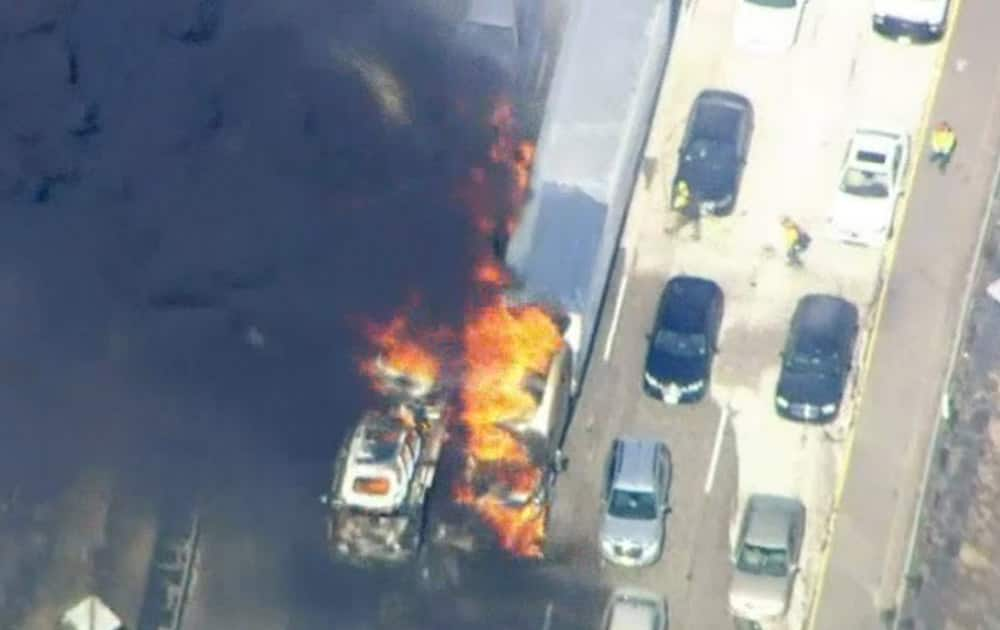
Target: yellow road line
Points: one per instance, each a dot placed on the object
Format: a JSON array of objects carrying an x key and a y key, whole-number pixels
[{"x": 890, "y": 259}]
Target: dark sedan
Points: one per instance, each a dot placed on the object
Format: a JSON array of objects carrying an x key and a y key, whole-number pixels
[
  {"x": 714, "y": 150},
  {"x": 683, "y": 342},
  {"x": 817, "y": 359}
]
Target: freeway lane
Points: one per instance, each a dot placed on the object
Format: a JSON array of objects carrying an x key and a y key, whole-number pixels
[
  {"x": 923, "y": 302},
  {"x": 838, "y": 76}
]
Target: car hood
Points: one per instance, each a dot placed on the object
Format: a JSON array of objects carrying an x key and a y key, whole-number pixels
[
  {"x": 764, "y": 29},
  {"x": 668, "y": 368},
  {"x": 814, "y": 389},
  {"x": 758, "y": 596},
  {"x": 922, "y": 11},
  {"x": 642, "y": 532},
  {"x": 709, "y": 179},
  {"x": 859, "y": 214}
]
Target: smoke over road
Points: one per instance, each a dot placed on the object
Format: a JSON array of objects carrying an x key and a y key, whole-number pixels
[{"x": 199, "y": 200}]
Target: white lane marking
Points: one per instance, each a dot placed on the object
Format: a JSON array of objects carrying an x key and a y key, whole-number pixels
[
  {"x": 619, "y": 301},
  {"x": 548, "y": 617},
  {"x": 716, "y": 450}
]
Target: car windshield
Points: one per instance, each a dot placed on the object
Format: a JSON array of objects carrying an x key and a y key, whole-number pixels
[
  {"x": 704, "y": 149},
  {"x": 809, "y": 363},
  {"x": 632, "y": 505},
  {"x": 862, "y": 183},
  {"x": 758, "y": 560},
  {"x": 775, "y": 4},
  {"x": 680, "y": 345}
]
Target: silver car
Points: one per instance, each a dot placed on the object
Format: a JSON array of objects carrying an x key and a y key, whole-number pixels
[
  {"x": 636, "y": 501},
  {"x": 635, "y": 609},
  {"x": 766, "y": 557}
]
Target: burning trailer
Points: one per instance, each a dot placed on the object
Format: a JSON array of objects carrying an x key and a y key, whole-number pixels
[
  {"x": 504, "y": 487},
  {"x": 384, "y": 470}
]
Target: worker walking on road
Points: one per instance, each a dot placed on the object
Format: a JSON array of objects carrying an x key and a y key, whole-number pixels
[
  {"x": 943, "y": 143},
  {"x": 796, "y": 241},
  {"x": 683, "y": 203}
]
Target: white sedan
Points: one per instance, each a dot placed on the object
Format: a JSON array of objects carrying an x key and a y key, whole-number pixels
[
  {"x": 767, "y": 26},
  {"x": 871, "y": 180},
  {"x": 909, "y": 21}
]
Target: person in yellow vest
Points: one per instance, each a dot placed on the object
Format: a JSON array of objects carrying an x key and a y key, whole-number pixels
[
  {"x": 682, "y": 195},
  {"x": 943, "y": 143},
  {"x": 683, "y": 203},
  {"x": 796, "y": 241}
]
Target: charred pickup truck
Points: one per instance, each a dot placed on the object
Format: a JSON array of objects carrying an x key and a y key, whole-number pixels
[{"x": 382, "y": 474}]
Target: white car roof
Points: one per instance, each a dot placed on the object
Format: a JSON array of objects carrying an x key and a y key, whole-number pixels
[
  {"x": 371, "y": 479},
  {"x": 873, "y": 142},
  {"x": 929, "y": 10}
]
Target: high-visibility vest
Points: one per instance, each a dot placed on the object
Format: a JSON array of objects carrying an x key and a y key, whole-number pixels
[
  {"x": 682, "y": 194},
  {"x": 792, "y": 236},
  {"x": 943, "y": 140}
]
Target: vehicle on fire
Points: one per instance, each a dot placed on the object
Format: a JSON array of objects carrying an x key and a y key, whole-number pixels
[
  {"x": 597, "y": 116},
  {"x": 383, "y": 472},
  {"x": 520, "y": 491}
]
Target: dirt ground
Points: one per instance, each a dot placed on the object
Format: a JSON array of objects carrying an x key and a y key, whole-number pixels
[{"x": 955, "y": 581}]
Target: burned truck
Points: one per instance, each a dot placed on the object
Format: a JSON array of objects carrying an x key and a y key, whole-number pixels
[
  {"x": 383, "y": 472},
  {"x": 506, "y": 503}
]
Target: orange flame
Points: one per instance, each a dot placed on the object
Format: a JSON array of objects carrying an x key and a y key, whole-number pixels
[
  {"x": 521, "y": 531},
  {"x": 400, "y": 352},
  {"x": 517, "y": 156},
  {"x": 503, "y": 345},
  {"x": 491, "y": 274}
]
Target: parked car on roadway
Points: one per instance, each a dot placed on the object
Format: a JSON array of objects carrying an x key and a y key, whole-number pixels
[
  {"x": 871, "y": 183},
  {"x": 636, "y": 501},
  {"x": 817, "y": 358},
  {"x": 635, "y": 609},
  {"x": 766, "y": 557},
  {"x": 909, "y": 21},
  {"x": 683, "y": 342},
  {"x": 714, "y": 149},
  {"x": 767, "y": 26}
]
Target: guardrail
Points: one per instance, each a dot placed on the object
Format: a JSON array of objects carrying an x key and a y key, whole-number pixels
[{"x": 171, "y": 573}]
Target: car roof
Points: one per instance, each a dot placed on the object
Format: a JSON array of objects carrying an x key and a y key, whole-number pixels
[
  {"x": 717, "y": 114},
  {"x": 500, "y": 13},
  {"x": 635, "y": 457},
  {"x": 820, "y": 320},
  {"x": 873, "y": 141},
  {"x": 724, "y": 98},
  {"x": 769, "y": 519},
  {"x": 632, "y": 609},
  {"x": 684, "y": 303}
]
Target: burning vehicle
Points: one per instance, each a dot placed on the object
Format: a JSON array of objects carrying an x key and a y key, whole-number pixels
[
  {"x": 508, "y": 473},
  {"x": 384, "y": 470}
]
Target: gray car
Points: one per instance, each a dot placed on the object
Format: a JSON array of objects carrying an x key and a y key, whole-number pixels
[
  {"x": 766, "y": 557},
  {"x": 636, "y": 501},
  {"x": 635, "y": 609}
]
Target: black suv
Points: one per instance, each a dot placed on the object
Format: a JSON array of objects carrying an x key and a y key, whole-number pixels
[
  {"x": 817, "y": 358},
  {"x": 682, "y": 344},
  {"x": 714, "y": 150}
]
